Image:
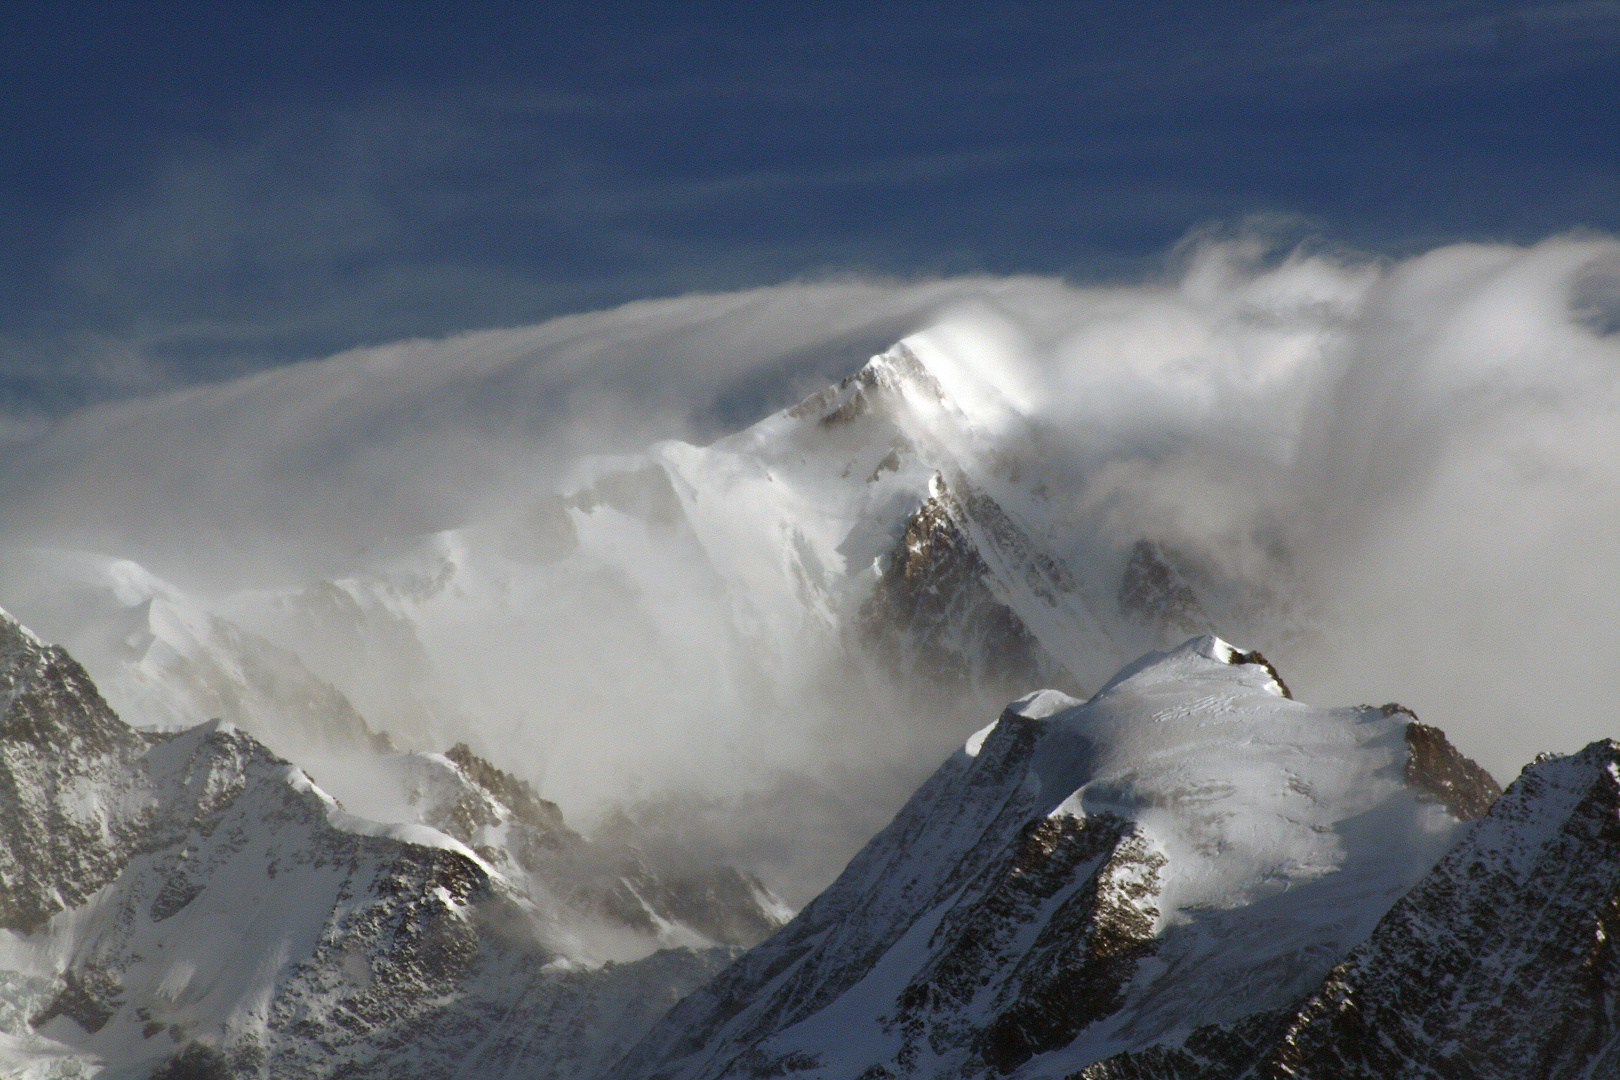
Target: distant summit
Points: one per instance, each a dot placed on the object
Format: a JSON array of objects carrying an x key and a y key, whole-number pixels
[{"x": 188, "y": 904}]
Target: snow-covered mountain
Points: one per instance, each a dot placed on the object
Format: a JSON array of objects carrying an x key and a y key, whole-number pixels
[
  {"x": 702, "y": 651},
  {"x": 867, "y": 574},
  {"x": 189, "y": 904},
  {"x": 1190, "y": 875},
  {"x": 1180, "y": 859}
]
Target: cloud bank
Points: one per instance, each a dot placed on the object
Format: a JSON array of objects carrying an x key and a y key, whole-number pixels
[{"x": 1418, "y": 460}]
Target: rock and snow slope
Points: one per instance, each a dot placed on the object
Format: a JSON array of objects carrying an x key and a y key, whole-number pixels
[
  {"x": 1189, "y": 849},
  {"x": 1500, "y": 964},
  {"x": 190, "y": 901}
]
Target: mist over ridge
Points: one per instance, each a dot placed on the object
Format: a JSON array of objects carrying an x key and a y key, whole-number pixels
[{"x": 1402, "y": 473}]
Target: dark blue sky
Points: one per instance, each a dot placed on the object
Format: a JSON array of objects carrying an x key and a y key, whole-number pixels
[{"x": 189, "y": 191}]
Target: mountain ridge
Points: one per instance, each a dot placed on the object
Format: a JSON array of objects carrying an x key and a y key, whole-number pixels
[
  {"x": 1189, "y": 874},
  {"x": 190, "y": 901},
  {"x": 1057, "y": 878}
]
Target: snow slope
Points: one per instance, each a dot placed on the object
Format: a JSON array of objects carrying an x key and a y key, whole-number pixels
[{"x": 1188, "y": 848}]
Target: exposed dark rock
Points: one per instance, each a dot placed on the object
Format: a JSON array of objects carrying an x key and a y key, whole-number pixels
[
  {"x": 1437, "y": 769},
  {"x": 1212, "y": 1052},
  {"x": 89, "y": 997},
  {"x": 1253, "y": 656},
  {"x": 721, "y": 903},
  {"x": 1069, "y": 976},
  {"x": 856, "y": 405},
  {"x": 517, "y": 795},
  {"x": 57, "y": 736},
  {"x": 1154, "y": 593},
  {"x": 195, "y": 1062},
  {"x": 933, "y": 622},
  {"x": 762, "y": 1066},
  {"x": 176, "y": 894},
  {"x": 1086, "y": 954},
  {"x": 890, "y": 463}
]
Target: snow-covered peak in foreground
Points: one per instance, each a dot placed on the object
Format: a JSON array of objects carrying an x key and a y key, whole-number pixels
[{"x": 1188, "y": 848}]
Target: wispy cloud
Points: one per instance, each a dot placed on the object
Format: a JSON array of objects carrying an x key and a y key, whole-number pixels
[
  {"x": 208, "y": 219},
  {"x": 1426, "y": 444}
]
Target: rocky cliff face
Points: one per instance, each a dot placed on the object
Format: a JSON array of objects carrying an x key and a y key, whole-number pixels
[
  {"x": 61, "y": 748},
  {"x": 191, "y": 905},
  {"x": 1175, "y": 864},
  {"x": 933, "y": 621},
  {"x": 1499, "y": 963}
]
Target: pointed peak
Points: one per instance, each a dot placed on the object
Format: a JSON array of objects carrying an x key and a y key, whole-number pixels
[
  {"x": 1195, "y": 654},
  {"x": 1213, "y": 647},
  {"x": 14, "y": 636},
  {"x": 902, "y": 370},
  {"x": 895, "y": 374}
]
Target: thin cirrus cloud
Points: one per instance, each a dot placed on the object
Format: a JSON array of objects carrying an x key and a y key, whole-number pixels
[{"x": 313, "y": 183}]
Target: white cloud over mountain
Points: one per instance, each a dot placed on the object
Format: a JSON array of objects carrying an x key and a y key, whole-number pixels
[{"x": 1417, "y": 459}]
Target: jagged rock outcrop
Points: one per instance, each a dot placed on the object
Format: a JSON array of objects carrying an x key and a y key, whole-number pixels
[
  {"x": 878, "y": 385},
  {"x": 1436, "y": 768}
]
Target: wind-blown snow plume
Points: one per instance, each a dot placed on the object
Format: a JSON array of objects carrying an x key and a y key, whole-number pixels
[{"x": 1401, "y": 475}]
